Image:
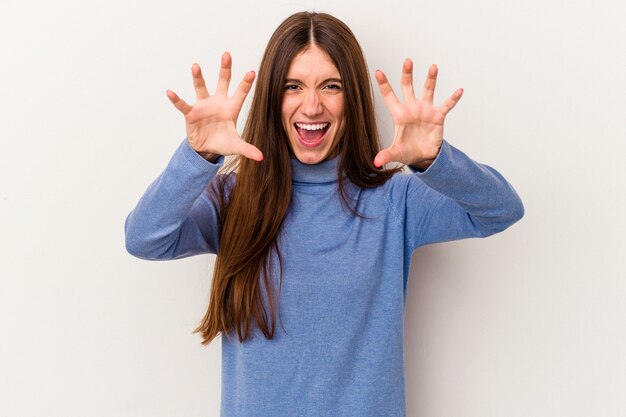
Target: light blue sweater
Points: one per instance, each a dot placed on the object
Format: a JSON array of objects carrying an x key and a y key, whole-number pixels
[{"x": 344, "y": 277}]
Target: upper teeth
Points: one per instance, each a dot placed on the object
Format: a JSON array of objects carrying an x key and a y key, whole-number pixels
[{"x": 312, "y": 127}]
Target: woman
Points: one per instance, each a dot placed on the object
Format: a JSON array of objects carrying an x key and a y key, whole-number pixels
[{"x": 310, "y": 232}]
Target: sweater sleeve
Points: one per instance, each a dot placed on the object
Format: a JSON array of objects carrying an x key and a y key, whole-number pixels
[
  {"x": 175, "y": 217},
  {"x": 457, "y": 198}
]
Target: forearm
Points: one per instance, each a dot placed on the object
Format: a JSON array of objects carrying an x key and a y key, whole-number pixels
[
  {"x": 162, "y": 225},
  {"x": 474, "y": 199}
]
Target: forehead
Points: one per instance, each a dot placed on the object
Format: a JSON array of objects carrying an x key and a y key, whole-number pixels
[{"x": 313, "y": 62}]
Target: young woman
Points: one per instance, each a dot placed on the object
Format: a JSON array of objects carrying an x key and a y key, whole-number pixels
[{"x": 313, "y": 238}]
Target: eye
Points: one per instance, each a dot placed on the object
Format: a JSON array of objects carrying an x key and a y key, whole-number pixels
[
  {"x": 291, "y": 87},
  {"x": 332, "y": 87}
]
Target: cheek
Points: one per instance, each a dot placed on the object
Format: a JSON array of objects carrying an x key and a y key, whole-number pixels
[
  {"x": 288, "y": 108},
  {"x": 339, "y": 114},
  {"x": 337, "y": 109}
]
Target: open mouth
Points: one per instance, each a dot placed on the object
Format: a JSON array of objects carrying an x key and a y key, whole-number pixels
[{"x": 311, "y": 134}]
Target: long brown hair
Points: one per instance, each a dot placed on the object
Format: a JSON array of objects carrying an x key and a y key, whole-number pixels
[{"x": 252, "y": 207}]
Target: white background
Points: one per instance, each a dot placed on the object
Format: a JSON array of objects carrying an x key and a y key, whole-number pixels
[{"x": 531, "y": 322}]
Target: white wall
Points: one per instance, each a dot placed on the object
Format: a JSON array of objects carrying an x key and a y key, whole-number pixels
[{"x": 527, "y": 323}]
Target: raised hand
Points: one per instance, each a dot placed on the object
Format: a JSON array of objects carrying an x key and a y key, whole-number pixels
[
  {"x": 418, "y": 123},
  {"x": 211, "y": 123}
]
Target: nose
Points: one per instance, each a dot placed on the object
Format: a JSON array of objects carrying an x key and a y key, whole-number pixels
[{"x": 312, "y": 105}]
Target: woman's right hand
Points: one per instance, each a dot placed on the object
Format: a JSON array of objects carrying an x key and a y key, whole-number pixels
[{"x": 211, "y": 123}]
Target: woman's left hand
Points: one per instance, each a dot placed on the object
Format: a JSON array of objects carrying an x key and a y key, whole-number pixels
[{"x": 418, "y": 123}]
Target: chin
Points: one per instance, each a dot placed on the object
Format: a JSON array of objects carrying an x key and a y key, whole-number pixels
[{"x": 311, "y": 158}]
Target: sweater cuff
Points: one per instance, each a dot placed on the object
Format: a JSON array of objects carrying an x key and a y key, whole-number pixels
[{"x": 198, "y": 161}]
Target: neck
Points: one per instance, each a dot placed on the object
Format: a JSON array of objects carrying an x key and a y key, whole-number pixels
[{"x": 323, "y": 172}]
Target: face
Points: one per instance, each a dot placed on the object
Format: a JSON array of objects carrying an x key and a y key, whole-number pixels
[{"x": 312, "y": 109}]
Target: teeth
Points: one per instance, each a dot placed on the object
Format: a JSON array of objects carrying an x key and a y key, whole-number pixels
[{"x": 312, "y": 127}]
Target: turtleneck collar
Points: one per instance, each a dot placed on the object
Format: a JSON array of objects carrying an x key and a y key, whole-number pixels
[{"x": 320, "y": 173}]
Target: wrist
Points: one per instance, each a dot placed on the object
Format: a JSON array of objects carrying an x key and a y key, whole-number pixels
[
  {"x": 431, "y": 156},
  {"x": 422, "y": 165},
  {"x": 211, "y": 157}
]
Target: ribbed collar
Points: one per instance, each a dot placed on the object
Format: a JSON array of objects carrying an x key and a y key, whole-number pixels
[{"x": 321, "y": 173}]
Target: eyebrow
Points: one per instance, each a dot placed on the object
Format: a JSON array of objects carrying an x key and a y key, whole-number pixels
[{"x": 327, "y": 80}]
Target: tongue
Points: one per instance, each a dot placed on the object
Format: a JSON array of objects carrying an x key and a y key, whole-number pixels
[{"x": 311, "y": 135}]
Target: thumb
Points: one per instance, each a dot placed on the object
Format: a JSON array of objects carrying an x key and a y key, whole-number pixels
[
  {"x": 250, "y": 151},
  {"x": 383, "y": 157}
]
